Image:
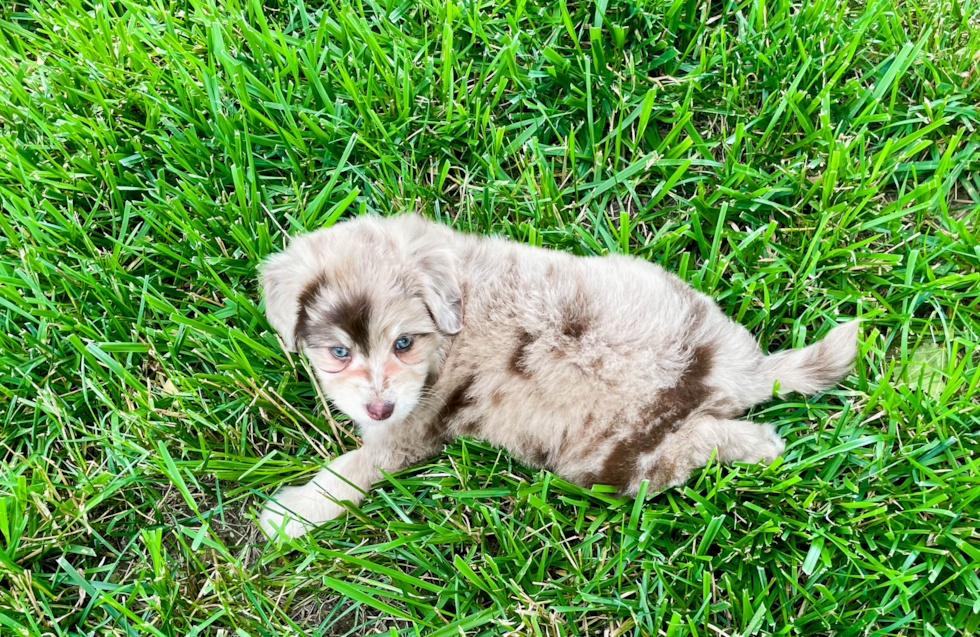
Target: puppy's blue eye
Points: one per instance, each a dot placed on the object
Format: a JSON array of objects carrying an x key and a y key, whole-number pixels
[
  {"x": 403, "y": 343},
  {"x": 339, "y": 352}
]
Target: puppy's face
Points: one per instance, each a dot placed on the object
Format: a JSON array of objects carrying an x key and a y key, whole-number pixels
[
  {"x": 373, "y": 350},
  {"x": 373, "y": 311}
]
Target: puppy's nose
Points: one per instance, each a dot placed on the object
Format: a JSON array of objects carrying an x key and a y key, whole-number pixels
[{"x": 380, "y": 410}]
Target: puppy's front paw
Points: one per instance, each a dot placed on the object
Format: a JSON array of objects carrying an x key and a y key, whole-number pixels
[{"x": 295, "y": 511}]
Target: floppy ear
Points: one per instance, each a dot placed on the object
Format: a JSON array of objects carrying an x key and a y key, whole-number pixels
[
  {"x": 284, "y": 277},
  {"x": 440, "y": 288}
]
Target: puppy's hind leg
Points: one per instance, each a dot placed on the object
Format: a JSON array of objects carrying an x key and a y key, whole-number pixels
[
  {"x": 691, "y": 446},
  {"x": 745, "y": 441}
]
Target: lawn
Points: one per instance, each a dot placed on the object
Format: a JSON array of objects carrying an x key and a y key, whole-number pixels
[{"x": 802, "y": 163}]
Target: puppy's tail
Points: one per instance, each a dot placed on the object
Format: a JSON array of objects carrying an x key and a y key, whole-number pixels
[{"x": 817, "y": 367}]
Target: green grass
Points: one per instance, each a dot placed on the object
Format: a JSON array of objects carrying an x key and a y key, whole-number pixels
[{"x": 800, "y": 163}]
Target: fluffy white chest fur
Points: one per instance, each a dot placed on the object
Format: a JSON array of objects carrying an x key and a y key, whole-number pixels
[{"x": 604, "y": 370}]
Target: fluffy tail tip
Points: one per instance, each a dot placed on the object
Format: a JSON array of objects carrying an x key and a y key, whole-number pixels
[{"x": 820, "y": 366}]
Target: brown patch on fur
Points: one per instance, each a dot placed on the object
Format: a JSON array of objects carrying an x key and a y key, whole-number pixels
[
  {"x": 472, "y": 428},
  {"x": 595, "y": 365},
  {"x": 573, "y": 327},
  {"x": 354, "y": 318},
  {"x": 617, "y": 470},
  {"x": 662, "y": 473},
  {"x": 562, "y": 445},
  {"x": 457, "y": 400},
  {"x": 306, "y": 298},
  {"x": 541, "y": 458},
  {"x": 575, "y": 324},
  {"x": 670, "y": 408},
  {"x": 602, "y": 435},
  {"x": 576, "y": 314},
  {"x": 496, "y": 398},
  {"x": 518, "y": 360}
]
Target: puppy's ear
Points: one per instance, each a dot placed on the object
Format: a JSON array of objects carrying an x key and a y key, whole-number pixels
[
  {"x": 440, "y": 288},
  {"x": 284, "y": 278}
]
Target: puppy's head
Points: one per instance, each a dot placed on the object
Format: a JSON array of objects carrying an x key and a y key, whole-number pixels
[{"x": 372, "y": 303}]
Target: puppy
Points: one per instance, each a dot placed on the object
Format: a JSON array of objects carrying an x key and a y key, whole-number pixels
[{"x": 606, "y": 370}]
